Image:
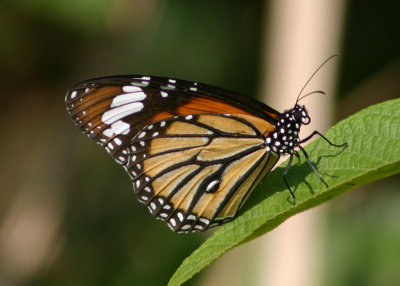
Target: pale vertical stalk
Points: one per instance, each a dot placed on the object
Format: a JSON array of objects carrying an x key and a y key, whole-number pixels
[{"x": 299, "y": 35}]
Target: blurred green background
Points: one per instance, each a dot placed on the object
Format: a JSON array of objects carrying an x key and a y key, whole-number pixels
[{"x": 68, "y": 215}]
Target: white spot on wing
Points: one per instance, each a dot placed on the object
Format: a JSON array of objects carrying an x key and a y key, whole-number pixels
[
  {"x": 120, "y": 127},
  {"x": 141, "y": 84},
  {"x": 108, "y": 132},
  {"x": 120, "y": 112},
  {"x": 191, "y": 217},
  {"x": 211, "y": 185},
  {"x": 131, "y": 88},
  {"x": 73, "y": 94},
  {"x": 204, "y": 220},
  {"x": 126, "y": 98}
]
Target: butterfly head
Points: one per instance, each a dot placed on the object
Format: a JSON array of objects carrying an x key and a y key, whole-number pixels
[
  {"x": 300, "y": 115},
  {"x": 287, "y": 126}
]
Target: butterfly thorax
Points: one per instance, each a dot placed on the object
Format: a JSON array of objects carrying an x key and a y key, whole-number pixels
[{"x": 287, "y": 127}]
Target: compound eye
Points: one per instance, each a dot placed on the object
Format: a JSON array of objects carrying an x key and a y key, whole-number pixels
[{"x": 305, "y": 120}]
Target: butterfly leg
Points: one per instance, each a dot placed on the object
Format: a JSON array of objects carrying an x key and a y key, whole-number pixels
[
  {"x": 285, "y": 178},
  {"x": 312, "y": 166},
  {"x": 315, "y": 132}
]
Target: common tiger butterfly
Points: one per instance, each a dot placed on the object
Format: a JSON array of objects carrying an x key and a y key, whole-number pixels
[{"x": 193, "y": 151}]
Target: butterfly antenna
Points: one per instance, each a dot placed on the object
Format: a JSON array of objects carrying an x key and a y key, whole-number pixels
[
  {"x": 312, "y": 92},
  {"x": 311, "y": 77}
]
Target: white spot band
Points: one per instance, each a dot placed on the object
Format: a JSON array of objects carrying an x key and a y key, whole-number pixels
[
  {"x": 128, "y": 98},
  {"x": 118, "y": 113}
]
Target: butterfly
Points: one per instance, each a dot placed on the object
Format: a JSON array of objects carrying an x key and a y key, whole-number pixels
[{"x": 194, "y": 152}]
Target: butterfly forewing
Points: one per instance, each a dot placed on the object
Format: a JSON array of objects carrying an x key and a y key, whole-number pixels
[
  {"x": 194, "y": 152},
  {"x": 112, "y": 111}
]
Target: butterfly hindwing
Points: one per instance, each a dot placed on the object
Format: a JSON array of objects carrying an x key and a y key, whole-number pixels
[{"x": 194, "y": 171}]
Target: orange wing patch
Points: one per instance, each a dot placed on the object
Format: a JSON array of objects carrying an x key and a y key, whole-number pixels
[
  {"x": 95, "y": 97},
  {"x": 209, "y": 204},
  {"x": 247, "y": 187},
  {"x": 226, "y": 124},
  {"x": 207, "y": 105},
  {"x": 165, "y": 184},
  {"x": 90, "y": 105},
  {"x": 185, "y": 128},
  {"x": 263, "y": 126},
  {"x": 155, "y": 165},
  {"x": 185, "y": 196},
  {"x": 199, "y": 105},
  {"x": 160, "y": 145},
  {"x": 223, "y": 147}
]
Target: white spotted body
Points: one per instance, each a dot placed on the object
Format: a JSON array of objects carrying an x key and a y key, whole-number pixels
[{"x": 286, "y": 136}]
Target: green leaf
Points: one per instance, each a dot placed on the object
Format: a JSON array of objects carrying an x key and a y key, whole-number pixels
[{"x": 373, "y": 152}]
